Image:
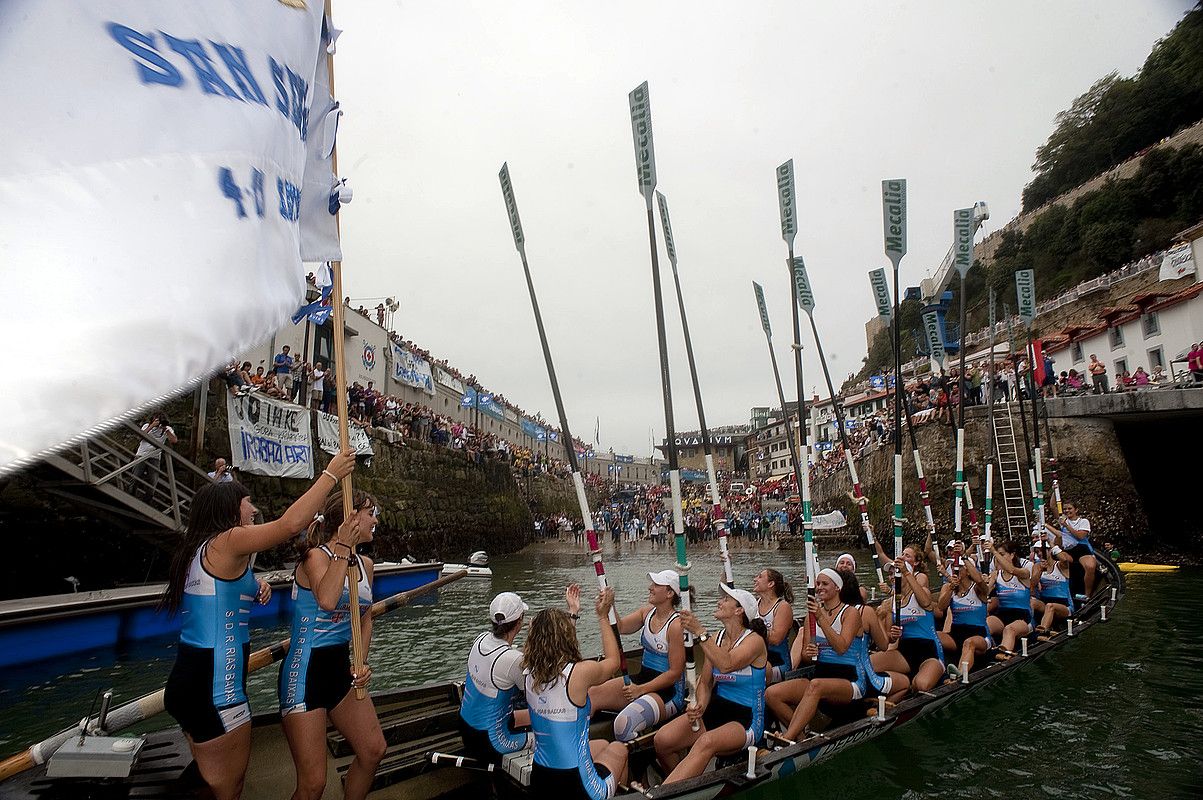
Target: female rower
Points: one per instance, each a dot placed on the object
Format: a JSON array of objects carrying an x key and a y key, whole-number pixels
[
  {"x": 1012, "y": 617},
  {"x": 566, "y": 763},
  {"x": 210, "y": 583},
  {"x": 1051, "y": 574},
  {"x": 1075, "y": 539},
  {"x": 835, "y": 649},
  {"x": 317, "y": 680},
  {"x": 729, "y": 712},
  {"x": 965, "y": 596},
  {"x": 918, "y": 653},
  {"x": 657, "y": 693},
  {"x": 774, "y": 606},
  {"x": 846, "y": 565}
]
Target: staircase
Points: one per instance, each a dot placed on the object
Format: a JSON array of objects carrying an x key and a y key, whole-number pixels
[
  {"x": 100, "y": 476},
  {"x": 1009, "y": 470}
]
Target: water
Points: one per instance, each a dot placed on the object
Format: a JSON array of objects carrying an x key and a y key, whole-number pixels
[{"x": 1116, "y": 714}]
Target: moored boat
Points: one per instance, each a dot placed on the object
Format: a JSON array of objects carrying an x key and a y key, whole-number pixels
[{"x": 36, "y": 628}]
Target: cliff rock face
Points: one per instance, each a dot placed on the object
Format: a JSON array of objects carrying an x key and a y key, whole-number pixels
[{"x": 1092, "y": 472}]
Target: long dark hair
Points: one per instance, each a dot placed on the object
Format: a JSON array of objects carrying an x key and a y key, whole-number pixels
[
  {"x": 780, "y": 585},
  {"x": 215, "y": 508},
  {"x": 850, "y": 591}
]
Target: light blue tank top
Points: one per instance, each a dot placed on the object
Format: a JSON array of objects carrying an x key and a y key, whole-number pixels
[
  {"x": 487, "y": 706},
  {"x": 781, "y": 649},
  {"x": 917, "y": 622},
  {"x": 968, "y": 609},
  {"x": 313, "y": 626},
  {"x": 743, "y": 687},
  {"x": 827, "y": 653},
  {"x": 655, "y": 644},
  {"x": 561, "y": 730},
  {"x": 1012, "y": 592},
  {"x": 1055, "y": 587}
]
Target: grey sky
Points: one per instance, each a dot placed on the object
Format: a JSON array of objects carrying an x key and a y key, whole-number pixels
[{"x": 953, "y": 97}]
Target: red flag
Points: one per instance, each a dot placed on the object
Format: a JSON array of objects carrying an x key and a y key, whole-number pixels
[{"x": 1038, "y": 361}]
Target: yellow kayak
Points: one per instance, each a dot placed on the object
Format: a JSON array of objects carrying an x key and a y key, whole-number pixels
[{"x": 1132, "y": 566}]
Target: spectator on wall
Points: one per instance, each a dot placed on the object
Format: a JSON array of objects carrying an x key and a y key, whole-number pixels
[
  {"x": 145, "y": 472},
  {"x": 1194, "y": 362},
  {"x": 317, "y": 378},
  {"x": 282, "y": 368},
  {"x": 1098, "y": 374},
  {"x": 222, "y": 473}
]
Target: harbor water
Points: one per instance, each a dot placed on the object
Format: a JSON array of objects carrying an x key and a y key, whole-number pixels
[{"x": 1117, "y": 713}]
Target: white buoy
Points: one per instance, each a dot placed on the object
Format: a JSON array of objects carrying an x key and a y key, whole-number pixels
[
  {"x": 965, "y": 672},
  {"x": 751, "y": 762},
  {"x": 1023, "y": 647},
  {"x": 1069, "y": 627},
  {"x": 1103, "y": 613},
  {"x": 881, "y": 708}
]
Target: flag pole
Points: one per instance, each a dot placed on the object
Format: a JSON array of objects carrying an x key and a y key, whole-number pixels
[
  {"x": 893, "y": 205},
  {"x": 645, "y": 172},
  {"x": 720, "y": 521},
  {"x": 338, "y": 354},
  {"x": 511, "y": 205}
]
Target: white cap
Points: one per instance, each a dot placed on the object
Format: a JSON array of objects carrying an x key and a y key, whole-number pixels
[
  {"x": 667, "y": 577},
  {"x": 507, "y": 607},
  {"x": 746, "y": 600}
]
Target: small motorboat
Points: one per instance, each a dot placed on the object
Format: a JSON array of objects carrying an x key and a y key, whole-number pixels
[
  {"x": 477, "y": 566},
  {"x": 1132, "y": 567}
]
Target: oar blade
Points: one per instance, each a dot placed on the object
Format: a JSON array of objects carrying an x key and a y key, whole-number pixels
[
  {"x": 893, "y": 212},
  {"x": 669, "y": 246},
  {"x": 806, "y": 298},
  {"x": 764, "y": 310},
  {"x": 962, "y": 240},
  {"x": 786, "y": 202},
  {"x": 881, "y": 292},
  {"x": 641, "y": 131},
  {"x": 511, "y": 207}
]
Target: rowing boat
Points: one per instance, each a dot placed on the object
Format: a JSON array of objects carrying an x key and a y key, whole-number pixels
[
  {"x": 1134, "y": 567},
  {"x": 421, "y": 719}
]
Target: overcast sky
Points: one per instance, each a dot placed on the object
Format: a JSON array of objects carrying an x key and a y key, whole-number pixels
[{"x": 953, "y": 97}]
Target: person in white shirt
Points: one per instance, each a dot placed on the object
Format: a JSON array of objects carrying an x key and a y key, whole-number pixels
[{"x": 145, "y": 473}]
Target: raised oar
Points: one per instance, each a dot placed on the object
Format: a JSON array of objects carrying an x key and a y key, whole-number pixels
[
  {"x": 720, "y": 520},
  {"x": 789, "y": 434},
  {"x": 990, "y": 447},
  {"x": 148, "y": 705},
  {"x": 645, "y": 174},
  {"x": 511, "y": 207},
  {"x": 787, "y": 208},
  {"x": 807, "y": 303},
  {"x": 962, "y": 245},
  {"x": 893, "y": 212},
  {"x": 1025, "y": 290}
]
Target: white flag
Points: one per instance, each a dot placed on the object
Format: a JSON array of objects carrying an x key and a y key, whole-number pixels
[{"x": 151, "y": 187}]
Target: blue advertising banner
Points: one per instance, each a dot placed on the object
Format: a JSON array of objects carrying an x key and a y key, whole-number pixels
[{"x": 484, "y": 401}]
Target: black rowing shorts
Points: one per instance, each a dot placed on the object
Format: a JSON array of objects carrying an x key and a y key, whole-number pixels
[
  {"x": 188, "y": 696},
  {"x": 321, "y": 678}
]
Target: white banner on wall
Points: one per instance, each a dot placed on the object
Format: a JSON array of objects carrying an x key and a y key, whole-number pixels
[
  {"x": 151, "y": 188},
  {"x": 412, "y": 370},
  {"x": 327, "y": 435},
  {"x": 1178, "y": 262},
  {"x": 450, "y": 381},
  {"x": 269, "y": 437}
]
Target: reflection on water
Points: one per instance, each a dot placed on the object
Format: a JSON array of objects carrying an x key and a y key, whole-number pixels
[{"x": 1118, "y": 713}]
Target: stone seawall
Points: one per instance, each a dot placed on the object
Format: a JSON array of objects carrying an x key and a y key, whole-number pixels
[{"x": 1091, "y": 466}]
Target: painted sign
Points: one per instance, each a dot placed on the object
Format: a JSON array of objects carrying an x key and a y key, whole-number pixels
[
  {"x": 962, "y": 240},
  {"x": 511, "y": 206},
  {"x": 412, "y": 370},
  {"x": 645, "y": 150},
  {"x": 881, "y": 292},
  {"x": 328, "y": 439},
  {"x": 893, "y": 214},
  {"x": 785, "y": 201},
  {"x": 935, "y": 340},
  {"x": 806, "y": 298},
  {"x": 1178, "y": 263},
  {"x": 1025, "y": 292},
  {"x": 764, "y": 311}
]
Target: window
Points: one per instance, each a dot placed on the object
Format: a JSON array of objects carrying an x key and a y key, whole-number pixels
[
  {"x": 1121, "y": 365},
  {"x": 1117, "y": 337},
  {"x": 1150, "y": 324},
  {"x": 1156, "y": 359},
  {"x": 1076, "y": 353}
]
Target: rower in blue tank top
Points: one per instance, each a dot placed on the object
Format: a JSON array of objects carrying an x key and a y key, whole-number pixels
[
  {"x": 1012, "y": 617},
  {"x": 774, "y": 605},
  {"x": 964, "y": 595},
  {"x": 487, "y": 715},
  {"x": 210, "y": 582},
  {"x": 567, "y": 764},
  {"x": 1052, "y": 575},
  {"x": 729, "y": 711},
  {"x": 657, "y": 692},
  {"x": 918, "y": 653},
  {"x": 317, "y": 681}
]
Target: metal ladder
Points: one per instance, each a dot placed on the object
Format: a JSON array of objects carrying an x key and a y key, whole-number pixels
[{"x": 1011, "y": 474}]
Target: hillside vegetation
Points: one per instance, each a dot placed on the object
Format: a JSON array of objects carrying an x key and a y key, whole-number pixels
[{"x": 1111, "y": 226}]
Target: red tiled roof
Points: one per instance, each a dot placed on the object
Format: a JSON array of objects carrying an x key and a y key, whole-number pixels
[{"x": 1180, "y": 296}]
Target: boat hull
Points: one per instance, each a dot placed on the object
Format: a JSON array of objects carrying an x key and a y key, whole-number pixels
[{"x": 40, "y": 628}]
